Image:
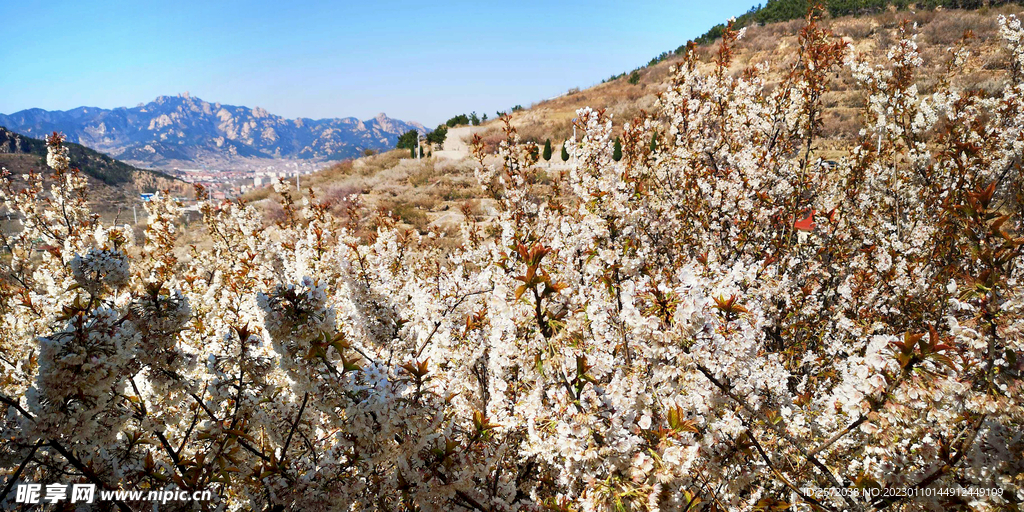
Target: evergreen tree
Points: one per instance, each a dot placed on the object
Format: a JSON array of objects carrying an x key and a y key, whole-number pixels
[
  {"x": 474, "y": 119},
  {"x": 565, "y": 153},
  {"x": 421, "y": 151},
  {"x": 654, "y": 142},
  {"x": 484, "y": 118},
  {"x": 634, "y": 77},
  {"x": 438, "y": 135},
  {"x": 412, "y": 152},
  {"x": 408, "y": 139},
  {"x": 617, "y": 151},
  {"x": 547, "y": 150},
  {"x": 457, "y": 120}
]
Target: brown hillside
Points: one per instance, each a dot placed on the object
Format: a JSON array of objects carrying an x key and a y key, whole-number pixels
[
  {"x": 433, "y": 191},
  {"x": 775, "y": 43},
  {"x": 110, "y": 201}
]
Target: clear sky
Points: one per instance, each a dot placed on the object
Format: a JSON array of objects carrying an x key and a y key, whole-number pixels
[{"x": 421, "y": 61}]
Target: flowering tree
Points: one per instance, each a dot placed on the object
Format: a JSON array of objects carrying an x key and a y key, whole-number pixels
[{"x": 717, "y": 323}]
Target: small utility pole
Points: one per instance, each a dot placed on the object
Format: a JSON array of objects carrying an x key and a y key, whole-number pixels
[
  {"x": 297, "y": 187},
  {"x": 573, "y": 131}
]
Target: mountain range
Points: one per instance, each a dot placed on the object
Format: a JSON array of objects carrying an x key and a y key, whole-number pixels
[{"x": 182, "y": 131}]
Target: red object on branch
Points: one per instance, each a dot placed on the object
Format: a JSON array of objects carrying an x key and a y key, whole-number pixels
[{"x": 807, "y": 223}]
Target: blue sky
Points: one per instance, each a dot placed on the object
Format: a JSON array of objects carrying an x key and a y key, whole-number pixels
[{"x": 422, "y": 61}]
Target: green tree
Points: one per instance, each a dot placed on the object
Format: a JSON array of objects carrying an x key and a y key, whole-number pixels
[
  {"x": 421, "y": 151},
  {"x": 458, "y": 120},
  {"x": 617, "y": 150},
  {"x": 565, "y": 153},
  {"x": 438, "y": 135},
  {"x": 412, "y": 152},
  {"x": 484, "y": 118},
  {"x": 654, "y": 142},
  {"x": 634, "y": 77},
  {"x": 547, "y": 150},
  {"x": 474, "y": 119},
  {"x": 408, "y": 139}
]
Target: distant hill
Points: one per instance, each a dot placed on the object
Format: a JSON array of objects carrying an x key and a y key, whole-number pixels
[
  {"x": 114, "y": 186},
  {"x": 174, "y": 131},
  {"x": 92, "y": 163}
]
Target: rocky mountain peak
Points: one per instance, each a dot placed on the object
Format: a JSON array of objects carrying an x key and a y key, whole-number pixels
[{"x": 172, "y": 130}]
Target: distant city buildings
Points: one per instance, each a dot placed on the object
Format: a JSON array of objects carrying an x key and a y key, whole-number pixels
[{"x": 225, "y": 184}]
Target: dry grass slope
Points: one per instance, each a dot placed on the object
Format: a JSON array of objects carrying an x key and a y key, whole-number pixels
[
  {"x": 775, "y": 43},
  {"x": 431, "y": 193}
]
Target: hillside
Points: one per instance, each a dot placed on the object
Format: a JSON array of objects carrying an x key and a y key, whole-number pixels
[
  {"x": 775, "y": 11},
  {"x": 186, "y": 132},
  {"x": 774, "y": 43},
  {"x": 433, "y": 191},
  {"x": 115, "y": 184}
]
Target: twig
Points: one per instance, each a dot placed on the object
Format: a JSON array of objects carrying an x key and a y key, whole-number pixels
[
  {"x": 295, "y": 425},
  {"x": 17, "y": 472}
]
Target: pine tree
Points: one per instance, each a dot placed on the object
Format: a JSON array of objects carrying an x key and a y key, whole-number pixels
[
  {"x": 547, "y": 150},
  {"x": 634, "y": 77},
  {"x": 408, "y": 139},
  {"x": 654, "y": 142},
  {"x": 565, "y": 153},
  {"x": 438, "y": 135},
  {"x": 412, "y": 152},
  {"x": 617, "y": 151}
]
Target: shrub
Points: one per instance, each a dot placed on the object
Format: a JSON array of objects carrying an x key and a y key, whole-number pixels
[
  {"x": 634, "y": 77},
  {"x": 461, "y": 119},
  {"x": 547, "y": 150},
  {"x": 617, "y": 150},
  {"x": 565, "y": 153},
  {"x": 726, "y": 326}
]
